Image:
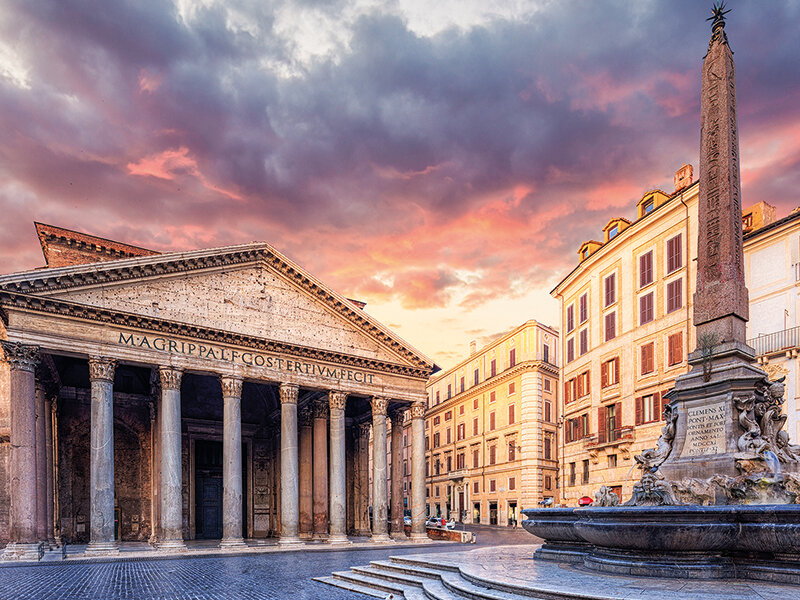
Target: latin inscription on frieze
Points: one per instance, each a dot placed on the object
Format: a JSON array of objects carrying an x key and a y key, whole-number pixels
[
  {"x": 705, "y": 430},
  {"x": 247, "y": 357}
]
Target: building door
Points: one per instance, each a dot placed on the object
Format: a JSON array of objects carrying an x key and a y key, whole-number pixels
[
  {"x": 208, "y": 489},
  {"x": 512, "y": 514},
  {"x": 461, "y": 507},
  {"x": 476, "y": 512},
  {"x": 492, "y": 513}
]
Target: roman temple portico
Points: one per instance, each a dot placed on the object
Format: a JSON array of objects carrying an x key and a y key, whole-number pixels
[{"x": 222, "y": 394}]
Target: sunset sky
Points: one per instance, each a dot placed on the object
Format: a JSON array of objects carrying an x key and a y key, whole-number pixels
[{"x": 441, "y": 161}]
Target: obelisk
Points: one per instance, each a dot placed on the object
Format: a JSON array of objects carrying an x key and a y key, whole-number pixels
[
  {"x": 721, "y": 301},
  {"x": 705, "y": 401}
]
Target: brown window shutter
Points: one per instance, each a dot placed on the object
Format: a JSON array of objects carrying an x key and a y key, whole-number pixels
[
  {"x": 604, "y": 374},
  {"x": 638, "y": 410},
  {"x": 601, "y": 425},
  {"x": 657, "y": 406},
  {"x": 616, "y": 369},
  {"x": 618, "y": 413},
  {"x": 588, "y": 389}
]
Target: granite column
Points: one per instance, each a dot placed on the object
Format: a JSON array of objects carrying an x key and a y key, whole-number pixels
[
  {"x": 231, "y": 463},
  {"x": 379, "y": 488},
  {"x": 398, "y": 531},
  {"x": 306, "y": 472},
  {"x": 337, "y": 462},
  {"x": 363, "y": 526},
  {"x": 418, "y": 485},
  {"x": 23, "y": 542},
  {"x": 49, "y": 471},
  {"x": 171, "y": 539},
  {"x": 101, "y": 491},
  {"x": 289, "y": 471},
  {"x": 320, "y": 470},
  {"x": 41, "y": 463}
]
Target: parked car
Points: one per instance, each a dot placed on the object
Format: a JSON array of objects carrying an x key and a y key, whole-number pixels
[
  {"x": 407, "y": 520},
  {"x": 433, "y": 522},
  {"x": 451, "y": 524}
]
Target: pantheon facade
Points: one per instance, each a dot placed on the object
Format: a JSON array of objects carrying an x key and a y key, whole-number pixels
[{"x": 219, "y": 394}]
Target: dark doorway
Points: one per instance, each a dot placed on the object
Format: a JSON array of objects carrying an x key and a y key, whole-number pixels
[
  {"x": 208, "y": 490},
  {"x": 493, "y": 513}
]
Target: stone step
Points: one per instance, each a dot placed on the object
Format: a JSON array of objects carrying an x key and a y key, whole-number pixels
[
  {"x": 424, "y": 564},
  {"x": 409, "y": 569},
  {"x": 56, "y": 554},
  {"x": 354, "y": 587},
  {"x": 389, "y": 575},
  {"x": 376, "y": 583},
  {"x": 464, "y": 588}
]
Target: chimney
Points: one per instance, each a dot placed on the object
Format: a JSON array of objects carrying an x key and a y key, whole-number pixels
[
  {"x": 683, "y": 177},
  {"x": 473, "y": 347}
]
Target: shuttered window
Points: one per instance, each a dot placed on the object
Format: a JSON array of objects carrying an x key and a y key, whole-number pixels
[
  {"x": 675, "y": 354},
  {"x": 674, "y": 295},
  {"x": 611, "y": 326},
  {"x": 610, "y": 290},
  {"x": 648, "y": 363},
  {"x": 648, "y": 408},
  {"x": 646, "y": 269},
  {"x": 674, "y": 254},
  {"x": 646, "y": 312}
]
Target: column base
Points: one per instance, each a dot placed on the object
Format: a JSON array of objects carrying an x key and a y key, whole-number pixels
[
  {"x": 18, "y": 551},
  {"x": 172, "y": 546},
  {"x": 381, "y": 538},
  {"x": 338, "y": 539},
  {"x": 290, "y": 541},
  {"x": 419, "y": 538},
  {"x": 399, "y": 536},
  {"x": 233, "y": 544},
  {"x": 320, "y": 537},
  {"x": 101, "y": 549}
]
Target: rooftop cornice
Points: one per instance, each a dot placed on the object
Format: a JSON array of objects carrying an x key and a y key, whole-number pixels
[
  {"x": 43, "y": 304},
  {"x": 41, "y": 281}
]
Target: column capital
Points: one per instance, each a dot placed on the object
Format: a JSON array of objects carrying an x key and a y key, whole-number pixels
[
  {"x": 101, "y": 368},
  {"x": 418, "y": 410},
  {"x": 170, "y": 378},
  {"x": 379, "y": 405},
  {"x": 289, "y": 393},
  {"x": 231, "y": 386},
  {"x": 337, "y": 400},
  {"x": 320, "y": 409},
  {"x": 305, "y": 416},
  {"x": 364, "y": 428},
  {"x": 398, "y": 416},
  {"x": 20, "y": 356}
]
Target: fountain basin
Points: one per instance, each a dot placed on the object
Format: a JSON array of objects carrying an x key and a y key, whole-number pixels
[{"x": 707, "y": 542}]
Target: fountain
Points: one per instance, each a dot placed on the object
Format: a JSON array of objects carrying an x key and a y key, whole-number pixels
[{"x": 719, "y": 495}]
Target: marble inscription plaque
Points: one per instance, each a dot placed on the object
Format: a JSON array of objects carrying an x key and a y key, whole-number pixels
[{"x": 705, "y": 430}]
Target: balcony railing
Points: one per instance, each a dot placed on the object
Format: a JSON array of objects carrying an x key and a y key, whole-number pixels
[
  {"x": 610, "y": 436},
  {"x": 458, "y": 473},
  {"x": 779, "y": 341}
]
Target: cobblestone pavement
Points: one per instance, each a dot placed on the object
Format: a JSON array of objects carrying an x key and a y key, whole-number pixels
[{"x": 285, "y": 575}]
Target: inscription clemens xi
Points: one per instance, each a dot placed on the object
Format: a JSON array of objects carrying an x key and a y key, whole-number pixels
[
  {"x": 251, "y": 359},
  {"x": 705, "y": 430}
]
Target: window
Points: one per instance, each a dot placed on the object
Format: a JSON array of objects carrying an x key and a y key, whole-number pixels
[
  {"x": 436, "y": 439},
  {"x": 648, "y": 206},
  {"x": 461, "y": 432},
  {"x": 476, "y": 458},
  {"x": 584, "y": 341},
  {"x": 448, "y": 415},
  {"x": 461, "y": 410},
  {"x": 548, "y": 482},
  {"x": 674, "y": 295},
  {"x": 547, "y": 447},
  {"x": 436, "y": 491},
  {"x": 511, "y": 415},
  {"x": 610, "y": 290},
  {"x": 492, "y": 485},
  {"x": 462, "y": 384},
  {"x": 512, "y": 483},
  {"x": 437, "y": 396},
  {"x": 570, "y": 349},
  {"x": 572, "y": 473},
  {"x": 491, "y": 421},
  {"x": 512, "y": 452},
  {"x": 449, "y": 464},
  {"x": 461, "y": 461},
  {"x": 426, "y": 443},
  {"x": 476, "y": 487},
  {"x": 494, "y": 367},
  {"x": 546, "y": 384},
  {"x": 437, "y": 465},
  {"x": 583, "y": 384},
  {"x": 609, "y": 372},
  {"x": 569, "y": 390},
  {"x": 675, "y": 354},
  {"x": 570, "y": 317},
  {"x": 546, "y": 353},
  {"x": 548, "y": 409},
  {"x": 674, "y": 254},
  {"x": 609, "y": 417},
  {"x": 612, "y": 461},
  {"x": 647, "y": 408},
  {"x": 613, "y": 231},
  {"x": 611, "y": 326},
  {"x": 475, "y": 403},
  {"x": 648, "y": 363},
  {"x": 436, "y": 421},
  {"x": 475, "y": 426},
  {"x": 449, "y": 391},
  {"x": 492, "y": 455},
  {"x": 646, "y": 308},
  {"x": 646, "y": 269},
  {"x": 492, "y": 397},
  {"x": 585, "y": 472},
  {"x": 476, "y": 377},
  {"x": 583, "y": 309},
  {"x": 512, "y": 357},
  {"x": 512, "y": 388},
  {"x": 447, "y": 431}
]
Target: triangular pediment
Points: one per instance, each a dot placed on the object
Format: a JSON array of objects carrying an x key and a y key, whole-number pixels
[{"x": 251, "y": 290}]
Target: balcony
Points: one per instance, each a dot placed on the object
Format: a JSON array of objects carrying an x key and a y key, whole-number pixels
[
  {"x": 610, "y": 437},
  {"x": 772, "y": 343},
  {"x": 458, "y": 474}
]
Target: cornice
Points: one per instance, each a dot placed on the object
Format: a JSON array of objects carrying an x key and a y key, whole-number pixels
[
  {"x": 43, "y": 304},
  {"x": 519, "y": 368},
  {"x": 109, "y": 272}
]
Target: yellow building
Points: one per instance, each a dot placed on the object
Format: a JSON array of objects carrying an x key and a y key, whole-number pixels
[
  {"x": 491, "y": 430},
  {"x": 626, "y": 314}
]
